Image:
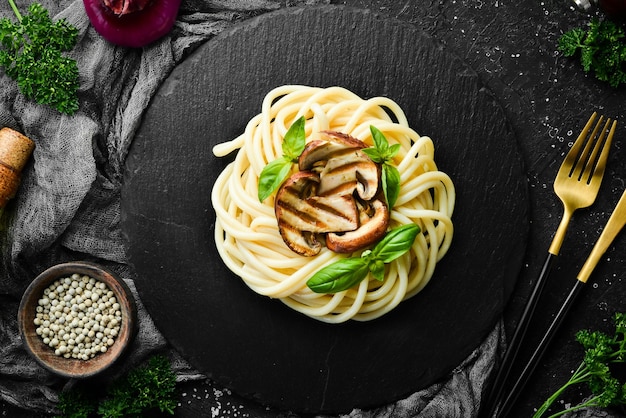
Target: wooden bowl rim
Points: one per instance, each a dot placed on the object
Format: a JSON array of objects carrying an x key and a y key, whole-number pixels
[{"x": 43, "y": 354}]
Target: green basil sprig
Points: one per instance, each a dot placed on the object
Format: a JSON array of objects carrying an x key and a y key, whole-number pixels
[
  {"x": 274, "y": 173},
  {"x": 382, "y": 153},
  {"x": 348, "y": 272}
]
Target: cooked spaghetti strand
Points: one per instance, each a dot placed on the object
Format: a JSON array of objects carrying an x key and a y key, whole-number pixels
[{"x": 246, "y": 230}]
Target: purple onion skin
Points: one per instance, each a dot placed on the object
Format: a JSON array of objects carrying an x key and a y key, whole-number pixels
[
  {"x": 614, "y": 8},
  {"x": 134, "y": 30}
]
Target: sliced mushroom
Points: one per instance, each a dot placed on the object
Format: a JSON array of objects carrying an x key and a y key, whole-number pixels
[
  {"x": 371, "y": 230},
  {"x": 300, "y": 242},
  {"x": 301, "y": 214},
  {"x": 346, "y": 173},
  {"x": 343, "y": 167},
  {"x": 332, "y": 144},
  {"x": 321, "y": 198}
]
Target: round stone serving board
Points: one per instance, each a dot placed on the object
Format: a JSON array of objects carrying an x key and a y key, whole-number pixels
[{"x": 257, "y": 346}]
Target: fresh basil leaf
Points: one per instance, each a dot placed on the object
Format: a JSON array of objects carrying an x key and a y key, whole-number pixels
[
  {"x": 395, "y": 243},
  {"x": 339, "y": 276},
  {"x": 272, "y": 176},
  {"x": 380, "y": 141},
  {"x": 294, "y": 140},
  {"x": 377, "y": 268},
  {"x": 393, "y": 150},
  {"x": 382, "y": 153},
  {"x": 374, "y": 155},
  {"x": 391, "y": 184},
  {"x": 348, "y": 272}
]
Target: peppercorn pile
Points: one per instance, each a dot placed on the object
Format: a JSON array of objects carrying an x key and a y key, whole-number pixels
[
  {"x": 78, "y": 317},
  {"x": 67, "y": 207}
]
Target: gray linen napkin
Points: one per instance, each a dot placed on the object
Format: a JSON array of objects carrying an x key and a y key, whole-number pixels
[{"x": 68, "y": 207}]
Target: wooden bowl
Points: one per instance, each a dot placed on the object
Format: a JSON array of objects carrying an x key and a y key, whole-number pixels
[{"x": 44, "y": 354}]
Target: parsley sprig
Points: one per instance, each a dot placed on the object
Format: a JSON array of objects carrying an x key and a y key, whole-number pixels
[
  {"x": 602, "y": 49},
  {"x": 31, "y": 53},
  {"x": 347, "y": 272},
  {"x": 602, "y": 353},
  {"x": 143, "y": 390}
]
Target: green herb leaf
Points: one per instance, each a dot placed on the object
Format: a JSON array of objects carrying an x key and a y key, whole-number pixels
[
  {"x": 570, "y": 41},
  {"x": 144, "y": 388},
  {"x": 391, "y": 183},
  {"x": 272, "y": 176},
  {"x": 76, "y": 403},
  {"x": 602, "y": 352},
  {"x": 294, "y": 140},
  {"x": 380, "y": 141},
  {"x": 348, "y": 272},
  {"x": 31, "y": 54},
  {"x": 393, "y": 150},
  {"x": 275, "y": 173},
  {"x": 141, "y": 392},
  {"x": 339, "y": 276},
  {"x": 383, "y": 153},
  {"x": 395, "y": 243},
  {"x": 602, "y": 49},
  {"x": 377, "y": 268},
  {"x": 374, "y": 155}
]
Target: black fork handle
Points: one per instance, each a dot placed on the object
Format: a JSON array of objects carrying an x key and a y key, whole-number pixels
[
  {"x": 513, "y": 346},
  {"x": 540, "y": 350}
]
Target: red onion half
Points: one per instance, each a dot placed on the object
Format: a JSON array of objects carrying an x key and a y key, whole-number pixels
[
  {"x": 132, "y": 23},
  {"x": 614, "y": 8}
]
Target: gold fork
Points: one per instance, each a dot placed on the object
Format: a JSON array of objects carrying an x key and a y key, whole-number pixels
[
  {"x": 577, "y": 184},
  {"x": 578, "y": 180},
  {"x": 616, "y": 222}
]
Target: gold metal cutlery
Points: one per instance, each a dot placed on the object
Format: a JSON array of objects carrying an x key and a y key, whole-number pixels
[{"x": 577, "y": 184}]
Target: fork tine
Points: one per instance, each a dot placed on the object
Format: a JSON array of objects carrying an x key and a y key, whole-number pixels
[
  {"x": 567, "y": 184},
  {"x": 595, "y": 171},
  {"x": 582, "y": 157},
  {"x": 588, "y": 158},
  {"x": 572, "y": 156}
]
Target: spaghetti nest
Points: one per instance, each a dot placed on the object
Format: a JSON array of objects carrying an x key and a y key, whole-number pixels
[{"x": 246, "y": 231}]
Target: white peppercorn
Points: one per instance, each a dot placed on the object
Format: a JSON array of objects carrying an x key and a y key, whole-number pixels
[{"x": 78, "y": 317}]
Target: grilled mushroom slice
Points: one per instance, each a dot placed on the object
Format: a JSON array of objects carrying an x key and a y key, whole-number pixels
[
  {"x": 319, "y": 151},
  {"x": 372, "y": 228},
  {"x": 344, "y": 174},
  {"x": 301, "y": 214},
  {"x": 343, "y": 167}
]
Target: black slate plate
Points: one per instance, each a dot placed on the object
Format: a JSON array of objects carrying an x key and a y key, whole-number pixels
[{"x": 255, "y": 345}]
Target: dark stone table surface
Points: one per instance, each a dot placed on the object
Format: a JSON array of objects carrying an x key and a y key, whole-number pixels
[
  {"x": 547, "y": 97},
  {"x": 512, "y": 45}
]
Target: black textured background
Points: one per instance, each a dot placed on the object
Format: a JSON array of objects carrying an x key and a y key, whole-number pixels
[{"x": 547, "y": 98}]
